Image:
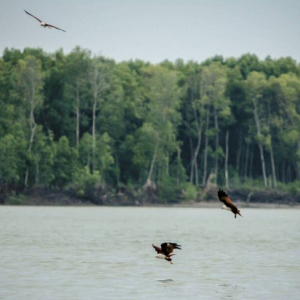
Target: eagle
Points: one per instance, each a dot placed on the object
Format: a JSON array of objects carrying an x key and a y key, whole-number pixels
[
  {"x": 165, "y": 251},
  {"x": 223, "y": 197},
  {"x": 43, "y": 23}
]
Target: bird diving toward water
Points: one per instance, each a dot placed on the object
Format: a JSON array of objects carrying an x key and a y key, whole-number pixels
[
  {"x": 223, "y": 197},
  {"x": 43, "y": 23},
  {"x": 165, "y": 251}
]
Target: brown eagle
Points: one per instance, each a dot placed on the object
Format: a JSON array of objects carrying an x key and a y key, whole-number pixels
[
  {"x": 165, "y": 251},
  {"x": 223, "y": 197},
  {"x": 43, "y": 23}
]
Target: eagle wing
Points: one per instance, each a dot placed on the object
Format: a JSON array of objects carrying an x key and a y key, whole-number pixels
[
  {"x": 157, "y": 249},
  {"x": 167, "y": 248},
  {"x": 223, "y": 197},
  {"x": 49, "y": 25},
  {"x": 33, "y": 16}
]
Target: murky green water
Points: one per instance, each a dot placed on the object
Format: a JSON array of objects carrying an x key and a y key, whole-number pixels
[{"x": 105, "y": 253}]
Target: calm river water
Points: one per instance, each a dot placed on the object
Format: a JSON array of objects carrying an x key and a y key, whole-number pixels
[{"x": 106, "y": 253}]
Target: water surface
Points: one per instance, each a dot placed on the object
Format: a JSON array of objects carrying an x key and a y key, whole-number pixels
[{"x": 105, "y": 253}]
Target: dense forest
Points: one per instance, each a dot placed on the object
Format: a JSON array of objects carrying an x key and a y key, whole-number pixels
[{"x": 89, "y": 125}]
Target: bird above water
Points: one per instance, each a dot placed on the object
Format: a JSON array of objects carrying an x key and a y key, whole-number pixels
[
  {"x": 165, "y": 251},
  {"x": 43, "y": 23},
  {"x": 223, "y": 197}
]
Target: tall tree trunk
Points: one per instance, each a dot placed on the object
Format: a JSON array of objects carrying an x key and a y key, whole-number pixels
[
  {"x": 77, "y": 115},
  {"x": 192, "y": 161},
  {"x": 205, "y": 149},
  {"x": 152, "y": 164},
  {"x": 246, "y": 161},
  {"x": 196, "y": 152},
  {"x": 273, "y": 166},
  {"x": 97, "y": 80},
  {"x": 226, "y": 159},
  {"x": 26, "y": 178},
  {"x": 178, "y": 166},
  {"x": 37, "y": 171},
  {"x": 32, "y": 133},
  {"x": 196, "y": 173},
  {"x": 251, "y": 160},
  {"x": 32, "y": 128},
  {"x": 199, "y": 124},
  {"x": 262, "y": 158},
  {"x": 261, "y": 150},
  {"x": 239, "y": 154},
  {"x": 217, "y": 144},
  {"x": 94, "y": 132}
]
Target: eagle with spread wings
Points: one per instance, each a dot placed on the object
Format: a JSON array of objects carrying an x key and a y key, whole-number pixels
[
  {"x": 42, "y": 23},
  {"x": 165, "y": 251}
]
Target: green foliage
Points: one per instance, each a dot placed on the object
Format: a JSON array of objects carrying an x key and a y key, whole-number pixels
[
  {"x": 104, "y": 157},
  {"x": 168, "y": 191},
  {"x": 252, "y": 185},
  {"x": 65, "y": 163},
  {"x": 10, "y": 159},
  {"x": 84, "y": 181},
  {"x": 85, "y": 149},
  {"x": 16, "y": 200},
  {"x": 73, "y": 120},
  {"x": 189, "y": 192},
  {"x": 291, "y": 187}
]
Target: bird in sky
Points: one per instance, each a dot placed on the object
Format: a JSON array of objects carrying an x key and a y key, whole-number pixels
[
  {"x": 223, "y": 197},
  {"x": 43, "y": 23},
  {"x": 165, "y": 251}
]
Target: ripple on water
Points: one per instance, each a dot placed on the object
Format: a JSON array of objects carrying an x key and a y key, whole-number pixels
[{"x": 165, "y": 280}]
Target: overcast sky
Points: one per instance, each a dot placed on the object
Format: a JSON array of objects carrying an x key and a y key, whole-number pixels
[{"x": 156, "y": 30}]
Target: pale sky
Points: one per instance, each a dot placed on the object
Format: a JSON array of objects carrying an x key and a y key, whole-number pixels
[{"x": 155, "y": 30}]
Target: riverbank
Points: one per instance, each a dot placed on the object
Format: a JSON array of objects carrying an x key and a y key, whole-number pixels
[
  {"x": 207, "y": 199},
  {"x": 241, "y": 205}
]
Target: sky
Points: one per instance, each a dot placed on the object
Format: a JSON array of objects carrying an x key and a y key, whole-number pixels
[{"x": 155, "y": 30}]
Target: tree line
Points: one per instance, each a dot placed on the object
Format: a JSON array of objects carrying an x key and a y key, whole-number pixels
[{"x": 84, "y": 122}]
